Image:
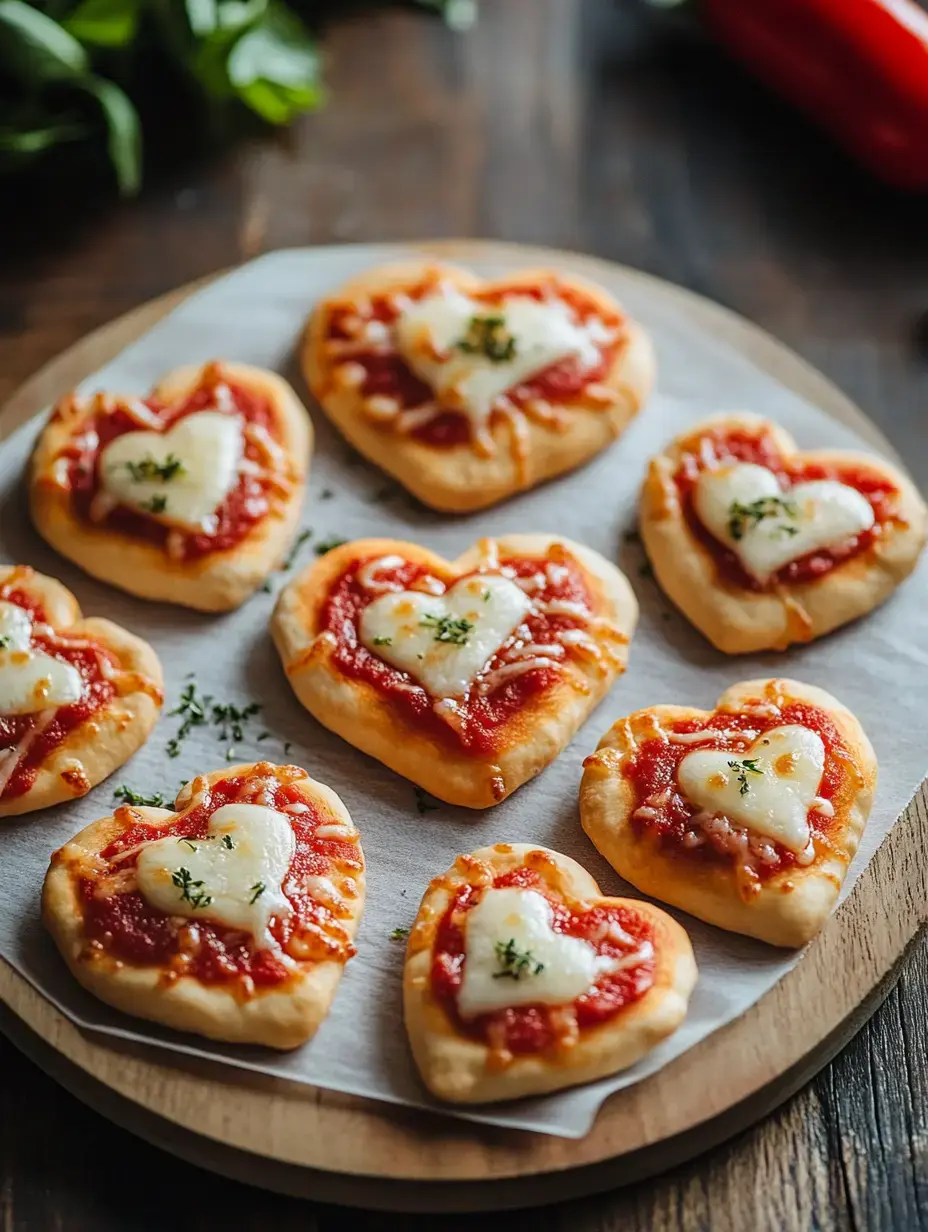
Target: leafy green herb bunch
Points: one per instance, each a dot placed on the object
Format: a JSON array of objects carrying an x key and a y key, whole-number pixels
[{"x": 83, "y": 77}]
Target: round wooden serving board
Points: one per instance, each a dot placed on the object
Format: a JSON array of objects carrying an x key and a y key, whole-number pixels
[{"x": 313, "y": 1143}]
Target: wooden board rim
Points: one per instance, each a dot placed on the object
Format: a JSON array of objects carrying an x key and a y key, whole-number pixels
[{"x": 400, "y": 1147}]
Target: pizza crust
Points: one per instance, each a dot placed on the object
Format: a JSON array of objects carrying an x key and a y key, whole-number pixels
[
  {"x": 215, "y": 582},
  {"x": 361, "y": 715},
  {"x": 457, "y": 479},
  {"x": 278, "y": 1017},
  {"x": 792, "y": 905},
  {"x": 93, "y": 750},
  {"x": 740, "y": 621},
  {"x": 455, "y": 1067}
]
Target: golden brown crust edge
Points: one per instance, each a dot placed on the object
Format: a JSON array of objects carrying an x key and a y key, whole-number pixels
[
  {"x": 740, "y": 621},
  {"x": 217, "y": 582},
  {"x": 277, "y": 1018},
  {"x": 454, "y": 1067},
  {"x": 775, "y": 914},
  {"x": 94, "y": 750},
  {"x": 360, "y": 715},
  {"x": 458, "y": 480}
]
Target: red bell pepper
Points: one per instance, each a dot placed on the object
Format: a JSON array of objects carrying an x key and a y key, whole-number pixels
[{"x": 858, "y": 68}]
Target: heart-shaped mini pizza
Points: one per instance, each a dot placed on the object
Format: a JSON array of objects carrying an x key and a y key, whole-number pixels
[
  {"x": 522, "y": 978},
  {"x": 191, "y": 495},
  {"x": 468, "y": 391},
  {"x": 746, "y": 816},
  {"x": 466, "y": 677},
  {"x": 761, "y": 546},
  {"x": 231, "y": 916},
  {"x": 78, "y": 696}
]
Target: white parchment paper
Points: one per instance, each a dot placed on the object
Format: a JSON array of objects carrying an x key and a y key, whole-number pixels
[{"x": 879, "y": 667}]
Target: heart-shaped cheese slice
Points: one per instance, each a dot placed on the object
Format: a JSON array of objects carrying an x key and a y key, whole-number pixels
[
  {"x": 445, "y": 641},
  {"x": 234, "y": 875},
  {"x": 768, "y": 790},
  {"x": 514, "y": 957},
  {"x": 745, "y": 508},
  {"x": 181, "y": 476},
  {"x": 440, "y": 336},
  {"x": 29, "y": 679}
]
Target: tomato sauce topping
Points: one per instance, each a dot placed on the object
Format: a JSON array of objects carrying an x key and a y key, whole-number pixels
[
  {"x": 533, "y": 1028},
  {"x": 387, "y": 373},
  {"x": 15, "y": 729},
  {"x": 479, "y": 715},
  {"x": 761, "y": 449},
  {"x": 125, "y": 926},
  {"x": 244, "y": 506},
  {"x": 652, "y": 770}
]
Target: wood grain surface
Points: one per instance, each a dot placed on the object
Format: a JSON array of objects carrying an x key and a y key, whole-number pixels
[{"x": 570, "y": 124}]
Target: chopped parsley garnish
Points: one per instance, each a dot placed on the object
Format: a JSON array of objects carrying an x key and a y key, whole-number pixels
[
  {"x": 515, "y": 963},
  {"x": 190, "y": 890},
  {"x": 231, "y": 719},
  {"x": 297, "y": 544},
  {"x": 447, "y": 629},
  {"x": 227, "y": 842},
  {"x": 157, "y": 504},
  {"x": 193, "y": 710},
  {"x": 423, "y": 802},
  {"x": 399, "y": 934},
  {"x": 383, "y": 641},
  {"x": 746, "y": 766},
  {"x": 155, "y": 800},
  {"x": 486, "y": 595},
  {"x": 148, "y": 468},
  {"x": 742, "y": 518},
  {"x": 4, "y": 643},
  {"x": 198, "y": 710},
  {"x": 256, "y": 891},
  {"x": 328, "y": 545},
  {"x": 488, "y": 336},
  {"x": 262, "y": 736}
]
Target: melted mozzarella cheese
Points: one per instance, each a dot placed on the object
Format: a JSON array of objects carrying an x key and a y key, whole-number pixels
[
  {"x": 29, "y": 679},
  {"x": 15, "y": 626},
  {"x": 543, "y": 333},
  {"x": 559, "y": 968},
  {"x": 810, "y": 516},
  {"x": 233, "y": 876},
  {"x": 773, "y": 798},
  {"x": 209, "y": 446},
  {"x": 414, "y": 631}
]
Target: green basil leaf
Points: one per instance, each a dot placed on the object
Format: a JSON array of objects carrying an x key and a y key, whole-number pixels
[
  {"x": 237, "y": 15},
  {"x": 278, "y": 104},
  {"x": 274, "y": 67},
  {"x": 124, "y": 135},
  {"x": 27, "y": 142},
  {"x": 104, "y": 23},
  {"x": 35, "y": 48},
  {"x": 201, "y": 14},
  {"x": 209, "y": 62},
  {"x": 209, "y": 67}
]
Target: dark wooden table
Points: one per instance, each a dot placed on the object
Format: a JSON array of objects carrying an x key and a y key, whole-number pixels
[{"x": 562, "y": 123}]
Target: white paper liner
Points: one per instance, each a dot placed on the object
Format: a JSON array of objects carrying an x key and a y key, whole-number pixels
[{"x": 878, "y": 667}]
